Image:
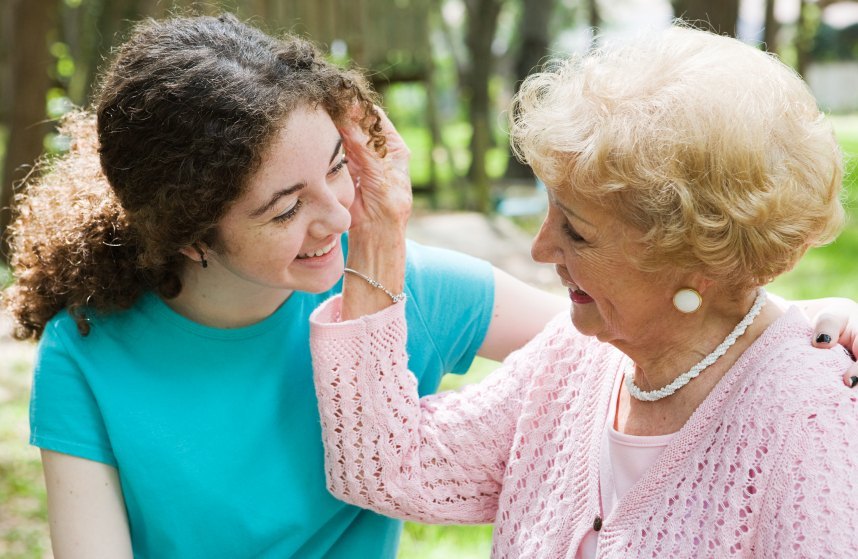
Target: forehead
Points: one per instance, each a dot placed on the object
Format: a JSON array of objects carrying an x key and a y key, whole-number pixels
[
  {"x": 602, "y": 218},
  {"x": 564, "y": 198},
  {"x": 300, "y": 153},
  {"x": 300, "y": 150},
  {"x": 306, "y": 137}
]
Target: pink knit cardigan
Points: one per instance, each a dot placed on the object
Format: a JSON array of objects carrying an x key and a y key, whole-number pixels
[{"x": 765, "y": 467}]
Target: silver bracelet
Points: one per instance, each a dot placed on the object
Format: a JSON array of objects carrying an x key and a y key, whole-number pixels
[{"x": 395, "y": 298}]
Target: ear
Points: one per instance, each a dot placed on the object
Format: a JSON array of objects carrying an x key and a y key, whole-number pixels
[
  {"x": 190, "y": 253},
  {"x": 696, "y": 281},
  {"x": 703, "y": 284},
  {"x": 195, "y": 252}
]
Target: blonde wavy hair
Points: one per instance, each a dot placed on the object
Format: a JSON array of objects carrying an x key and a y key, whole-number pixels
[{"x": 715, "y": 150}]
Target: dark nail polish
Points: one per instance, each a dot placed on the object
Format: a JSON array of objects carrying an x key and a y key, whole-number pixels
[
  {"x": 853, "y": 381},
  {"x": 823, "y": 339}
]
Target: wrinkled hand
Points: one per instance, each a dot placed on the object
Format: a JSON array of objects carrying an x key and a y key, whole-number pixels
[
  {"x": 382, "y": 184},
  {"x": 838, "y": 323}
]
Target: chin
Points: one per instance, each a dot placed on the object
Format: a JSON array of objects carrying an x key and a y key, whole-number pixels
[
  {"x": 322, "y": 284},
  {"x": 585, "y": 326}
]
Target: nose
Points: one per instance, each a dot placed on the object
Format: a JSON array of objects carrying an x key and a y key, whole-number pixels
[
  {"x": 544, "y": 248},
  {"x": 333, "y": 215}
]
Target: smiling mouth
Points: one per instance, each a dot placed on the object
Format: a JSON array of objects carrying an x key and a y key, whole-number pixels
[
  {"x": 577, "y": 294},
  {"x": 319, "y": 252},
  {"x": 579, "y": 297},
  {"x": 572, "y": 287}
]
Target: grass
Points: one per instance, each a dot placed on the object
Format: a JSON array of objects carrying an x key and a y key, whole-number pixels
[{"x": 23, "y": 514}]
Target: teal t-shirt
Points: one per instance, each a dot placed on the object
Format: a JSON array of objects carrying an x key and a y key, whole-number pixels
[{"x": 215, "y": 432}]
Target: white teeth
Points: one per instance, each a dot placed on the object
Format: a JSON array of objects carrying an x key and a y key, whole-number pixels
[
  {"x": 321, "y": 252},
  {"x": 573, "y": 287}
]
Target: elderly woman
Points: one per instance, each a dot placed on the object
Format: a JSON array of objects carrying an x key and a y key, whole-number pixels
[{"x": 681, "y": 414}]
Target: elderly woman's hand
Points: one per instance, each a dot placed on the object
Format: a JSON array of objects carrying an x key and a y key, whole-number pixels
[
  {"x": 383, "y": 184},
  {"x": 837, "y": 322},
  {"x": 375, "y": 268}
]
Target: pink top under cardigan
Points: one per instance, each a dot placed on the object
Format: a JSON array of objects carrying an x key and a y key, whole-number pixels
[
  {"x": 625, "y": 460},
  {"x": 767, "y": 466}
]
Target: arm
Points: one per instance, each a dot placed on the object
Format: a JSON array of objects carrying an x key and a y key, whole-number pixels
[
  {"x": 439, "y": 459},
  {"x": 86, "y": 510},
  {"x": 383, "y": 449},
  {"x": 521, "y": 311}
]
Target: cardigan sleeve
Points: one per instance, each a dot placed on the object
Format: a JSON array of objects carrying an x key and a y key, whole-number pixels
[
  {"x": 813, "y": 511},
  {"x": 439, "y": 459}
]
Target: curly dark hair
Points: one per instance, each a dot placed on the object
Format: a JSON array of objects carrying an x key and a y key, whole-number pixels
[{"x": 182, "y": 120}]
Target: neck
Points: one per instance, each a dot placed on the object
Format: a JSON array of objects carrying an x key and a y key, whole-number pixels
[
  {"x": 689, "y": 339},
  {"x": 218, "y": 299},
  {"x": 655, "y": 369}
]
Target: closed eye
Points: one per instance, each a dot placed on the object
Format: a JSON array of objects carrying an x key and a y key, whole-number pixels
[
  {"x": 288, "y": 214},
  {"x": 336, "y": 169},
  {"x": 572, "y": 234}
]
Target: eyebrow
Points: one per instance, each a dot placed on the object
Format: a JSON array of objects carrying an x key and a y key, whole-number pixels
[
  {"x": 336, "y": 150},
  {"x": 568, "y": 211},
  {"x": 291, "y": 189}
]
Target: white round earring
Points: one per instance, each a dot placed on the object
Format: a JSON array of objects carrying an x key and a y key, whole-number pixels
[{"x": 687, "y": 300}]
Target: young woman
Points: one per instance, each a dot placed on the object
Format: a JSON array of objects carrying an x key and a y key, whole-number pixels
[{"x": 169, "y": 264}]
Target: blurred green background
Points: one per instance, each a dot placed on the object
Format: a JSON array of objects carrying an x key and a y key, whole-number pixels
[{"x": 447, "y": 94}]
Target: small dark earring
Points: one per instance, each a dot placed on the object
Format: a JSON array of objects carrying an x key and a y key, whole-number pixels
[{"x": 203, "y": 260}]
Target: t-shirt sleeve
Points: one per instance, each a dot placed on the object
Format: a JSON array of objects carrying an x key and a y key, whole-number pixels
[
  {"x": 64, "y": 414},
  {"x": 452, "y": 296}
]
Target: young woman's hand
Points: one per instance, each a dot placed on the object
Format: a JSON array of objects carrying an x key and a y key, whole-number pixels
[
  {"x": 836, "y": 322},
  {"x": 382, "y": 184}
]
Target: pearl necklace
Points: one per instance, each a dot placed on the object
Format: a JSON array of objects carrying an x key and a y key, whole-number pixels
[{"x": 685, "y": 378}]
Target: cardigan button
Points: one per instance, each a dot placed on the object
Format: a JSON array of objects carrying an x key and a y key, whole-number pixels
[{"x": 597, "y": 523}]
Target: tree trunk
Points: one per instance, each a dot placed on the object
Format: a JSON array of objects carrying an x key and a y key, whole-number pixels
[
  {"x": 29, "y": 61},
  {"x": 808, "y": 25},
  {"x": 770, "y": 31},
  {"x": 93, "y": 29},
  {"x": 533, "y": 30},
  {"x": 5, "y": 62},
  {"x": 719, "y": 16},
  {"x": 594, "y": 16},
  {"x": 481, "y": 25}
]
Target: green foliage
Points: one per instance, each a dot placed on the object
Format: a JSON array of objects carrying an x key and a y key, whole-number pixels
[
  {"x": 406, "y": 106},
  {"x": 444, "y": 542},
  {"x": 455, "y": 136},
  {"x": 5, "y": 276},
  {"x": 4, "y": 133}
]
